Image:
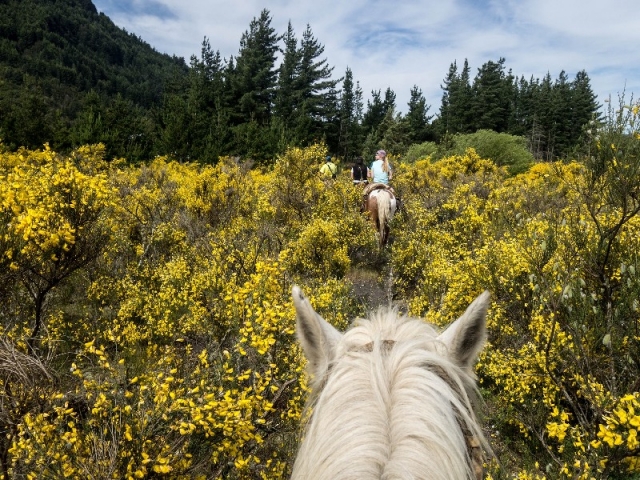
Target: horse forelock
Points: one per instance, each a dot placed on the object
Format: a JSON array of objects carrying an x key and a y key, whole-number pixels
[{"x": 392, "y": 405}]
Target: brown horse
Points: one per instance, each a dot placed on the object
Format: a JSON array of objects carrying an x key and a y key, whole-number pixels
[{"x": 381, "y": 206}]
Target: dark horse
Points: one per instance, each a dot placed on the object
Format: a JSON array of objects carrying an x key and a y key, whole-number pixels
[{"x": 381, "y": 206}]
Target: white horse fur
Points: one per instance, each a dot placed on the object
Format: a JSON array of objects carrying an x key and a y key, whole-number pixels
[
  {"x": 391, "y": 398},
  {"x": 386, "y": 207}
]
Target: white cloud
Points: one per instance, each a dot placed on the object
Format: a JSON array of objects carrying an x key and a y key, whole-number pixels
[{"x": 412, "y": 42}]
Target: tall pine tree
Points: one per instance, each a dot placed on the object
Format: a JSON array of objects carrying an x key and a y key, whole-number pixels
[
  {"x": 207, "y": 105},
  {"x": 455, "y": 110},
  {"x": 584, "y": 102},
  {"x": 254, "y": 79},
  {"x": 544, "y": 117},
  {"x": 376, "y": 111},
  {"x": 490, "y": 107},
  {"x": 317, "y": 91},
  {"x": 287, "y": 99},
  {"x": 351, "y": 105},
  {"x": 253, "y": 83},
  {"x": 417, "y": 119},
  {"x": 561, "y": 141}
]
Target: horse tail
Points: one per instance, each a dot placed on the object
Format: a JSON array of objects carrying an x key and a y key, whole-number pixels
[{"x": 384, "y": 214}]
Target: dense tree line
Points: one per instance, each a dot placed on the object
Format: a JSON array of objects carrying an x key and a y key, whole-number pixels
[
  {"x": 549, "y": 113},
  {"x": 71, "y": 77}
]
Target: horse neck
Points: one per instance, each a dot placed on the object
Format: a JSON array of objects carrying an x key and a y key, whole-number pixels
[{"x": 382, "y": 414}]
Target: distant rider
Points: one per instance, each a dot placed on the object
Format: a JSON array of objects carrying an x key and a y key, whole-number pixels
[
  {"x": 380, "y": 173},
  {"x": 359, "y": 172},
  {"x": 329, "y": 169}
]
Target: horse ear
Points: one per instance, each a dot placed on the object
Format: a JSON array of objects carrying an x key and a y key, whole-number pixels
[
  {"x": 317, "y": 336},
  {"x": 466, "y": 336}
]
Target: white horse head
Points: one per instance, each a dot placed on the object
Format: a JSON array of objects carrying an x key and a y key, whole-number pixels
[{"x": 391, "y": 398}]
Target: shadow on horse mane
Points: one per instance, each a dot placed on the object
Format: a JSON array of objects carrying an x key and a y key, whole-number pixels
[
  {"x": 391, "y": 398},
  {"x": 381, "y": 205}
]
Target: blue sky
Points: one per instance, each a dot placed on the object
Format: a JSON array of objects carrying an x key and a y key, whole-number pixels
[{"x": 402, "y": 43}]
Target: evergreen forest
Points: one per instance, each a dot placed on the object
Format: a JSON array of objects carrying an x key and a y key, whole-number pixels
[{"x": 70, "y": 77}]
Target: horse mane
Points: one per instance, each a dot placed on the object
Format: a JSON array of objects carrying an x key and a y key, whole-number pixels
[{"x": 391, "y": 404}]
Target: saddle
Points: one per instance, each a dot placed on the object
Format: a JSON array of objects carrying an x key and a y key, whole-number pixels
[{"x": 377, "y": 186}]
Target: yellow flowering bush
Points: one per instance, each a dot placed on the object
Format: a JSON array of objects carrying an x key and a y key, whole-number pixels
[
  {"x": 178, "y": 342},
  {"x": 295, "y": 186},
  {"x": 557, "y": 246},
  {"x": 53, "y": 223},
  {"x": 167, "y": 349},
  {"x": 318, "y": 249}
]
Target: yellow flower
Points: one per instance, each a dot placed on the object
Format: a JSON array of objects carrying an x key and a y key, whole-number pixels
[
  {"x": 162, "y": 468},
  {"x": 622, "y": 415},
  {"x": 610, "y": 438}
]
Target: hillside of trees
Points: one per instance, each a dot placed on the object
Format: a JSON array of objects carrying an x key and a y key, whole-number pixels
[
  {"x": 71, "y": 77},
  {"x": 63, "y": 65}
]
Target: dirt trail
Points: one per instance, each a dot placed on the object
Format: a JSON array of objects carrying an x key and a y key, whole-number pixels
[{"x": 372, "y": 288}]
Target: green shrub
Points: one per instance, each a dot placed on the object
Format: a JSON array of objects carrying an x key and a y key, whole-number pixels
[
  {"x": 504, "y": 149},
  {"x": 420, "y": 151}
]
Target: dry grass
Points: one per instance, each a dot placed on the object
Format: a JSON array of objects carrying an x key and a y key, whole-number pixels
[{"x": 18, "y": 367}]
